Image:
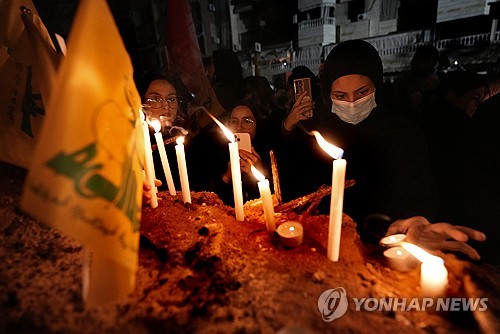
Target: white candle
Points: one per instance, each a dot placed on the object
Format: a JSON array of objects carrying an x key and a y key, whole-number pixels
[
  {"x": 336, "y": 205},
  {"x": 392, "y": 240},
  {"x": 267, "y": 199},
  {"x": 400, "y": 259},
  {"x": 337, "y": 196},
  {"x": 183, "y": 174},
  {"x": 234, "y": 158},
  {"x": 291, "y": 234},
  {"x": 433, "y": 273},
  {"x": 163, "y": 155},
  {"x": 148, "y": 162},
  {"x": 433, "y": 279}
]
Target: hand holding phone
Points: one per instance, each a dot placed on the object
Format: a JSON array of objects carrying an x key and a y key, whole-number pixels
[
  {"x": 244, "y": 141},
  {"x": 300, "y": 86}
]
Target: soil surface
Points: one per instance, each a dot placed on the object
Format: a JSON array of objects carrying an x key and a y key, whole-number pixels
[{"x": 201, "y": 271}]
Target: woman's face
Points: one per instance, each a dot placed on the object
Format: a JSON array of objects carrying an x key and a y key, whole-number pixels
[
  {"x": 161, "y": 97},
  {"x": 243, "y": 120},
  {"x": 351, "y": 87}
]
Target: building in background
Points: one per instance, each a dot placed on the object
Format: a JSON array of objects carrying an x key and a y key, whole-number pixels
[{"x": 273, "y": 36}]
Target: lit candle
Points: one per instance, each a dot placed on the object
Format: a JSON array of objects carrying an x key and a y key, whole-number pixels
[
  {"x": 433, "y": 273},
  {"x": 267, "y": 199},
  {"x": 400, "y": 259},
  {"x": 392, "y": 240},
  {"x": 337, "y": 196},
  {"x": 183, "y": 174},
  {"x": 433, "y": 279},
  {"x": 148, "y": 162},
  {"x": 234, "y": 159},
  {"x": 163, "y": 155},
  {"x": 291, "y": 234}
]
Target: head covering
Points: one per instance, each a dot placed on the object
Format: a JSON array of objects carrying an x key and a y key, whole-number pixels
[{"x": 352, "y": 57}]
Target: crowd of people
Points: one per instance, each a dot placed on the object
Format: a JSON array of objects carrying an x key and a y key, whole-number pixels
[{"x": 423, "y": 150}]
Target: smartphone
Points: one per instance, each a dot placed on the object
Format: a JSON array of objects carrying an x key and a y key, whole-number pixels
[
  {"x": 244, "y": 141},
  {"x": 303, "y": 85}
]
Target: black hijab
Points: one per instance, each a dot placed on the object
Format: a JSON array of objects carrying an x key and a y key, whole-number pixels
[{"x": 352, "y": 57}]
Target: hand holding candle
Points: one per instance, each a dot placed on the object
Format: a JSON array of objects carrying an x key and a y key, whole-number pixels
[
  {"x": 163, "y": 155},
  {"x": 148, "y": 162},
  {"x": 337, "y": 196},
  {"x": 183, "y": 174},
  {"x": 267, "y": 200}
]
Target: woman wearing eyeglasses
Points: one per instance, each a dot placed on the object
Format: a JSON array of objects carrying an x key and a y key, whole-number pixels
[
  {"x": 161, "y": 102},
  {"x": 243, "y": 120}
]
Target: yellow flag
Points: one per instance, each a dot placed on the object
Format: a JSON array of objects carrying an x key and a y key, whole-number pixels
[
  {"x": 21, "y": 105},
  {"x": 86, "y": 177}
]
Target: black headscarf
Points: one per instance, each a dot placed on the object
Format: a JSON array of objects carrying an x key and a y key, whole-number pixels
[{"x": 352, "y": 57}]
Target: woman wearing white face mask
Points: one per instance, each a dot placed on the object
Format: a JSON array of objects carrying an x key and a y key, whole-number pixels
[{"x": 386, "y": 156}]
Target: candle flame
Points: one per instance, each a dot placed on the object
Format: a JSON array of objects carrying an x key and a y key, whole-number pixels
[
  {"x": 180, "y": 140},
  {"x": 155, "y": 124},
  {"x": 291, "y": 228},
  {"x": 399, "y": 253},
  {"x": 392, "y": 238},
  {"x": 421, "y": 254},
  {"x": 226, "y": 131},
  {"x": 258, "y": 175},
  {"x": 334, "y": 151}
]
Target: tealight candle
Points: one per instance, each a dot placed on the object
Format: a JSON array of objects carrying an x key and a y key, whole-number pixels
[
  {"x": 392, "y": 240},
  {"x": 433, "y": 279},
  {"x": 291, "y": 234},
  {"x": 400, "y": 259},
  {"x": 183, "y": 174},
  {"x": 267, "y": 199},
  {"x": 148, "y": 162},
  {"x": 337, "y": 196},
  {"x": 163, "y": 156}
]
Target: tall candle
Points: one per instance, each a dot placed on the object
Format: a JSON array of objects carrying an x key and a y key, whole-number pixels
[
  {"x": 148, "y": 162},
  {"x": 433, "y": 279},
  {"x": 337, "y": 196},
  {"x": 163, "y": 156},
  {"x": 267, "y": 199},
  {"x": 183, "y": 174},
  {"x": 234, "y": 159},
  {"x": 336, "y": 205}
]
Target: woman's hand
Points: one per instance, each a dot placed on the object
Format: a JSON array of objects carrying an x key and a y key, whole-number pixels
[
  {"x": 437, "y": 236},
  {"x": 247, "y": 159},
  {"x": 146, "y": 188},
  {"x": 302, "y": 109}
]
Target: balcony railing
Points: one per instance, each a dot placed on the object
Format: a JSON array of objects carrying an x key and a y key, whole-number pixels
[
  {"x": 386, "y": 52},
  {"x": 317, "y": 23}
]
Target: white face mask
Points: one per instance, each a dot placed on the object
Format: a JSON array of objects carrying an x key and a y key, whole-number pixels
[{"x": 354, "y": 112}]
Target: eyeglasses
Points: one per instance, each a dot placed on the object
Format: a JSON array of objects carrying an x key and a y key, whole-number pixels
[
  {"x": 246, "y": 123},
  {"x": 159, "y": 102}
]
